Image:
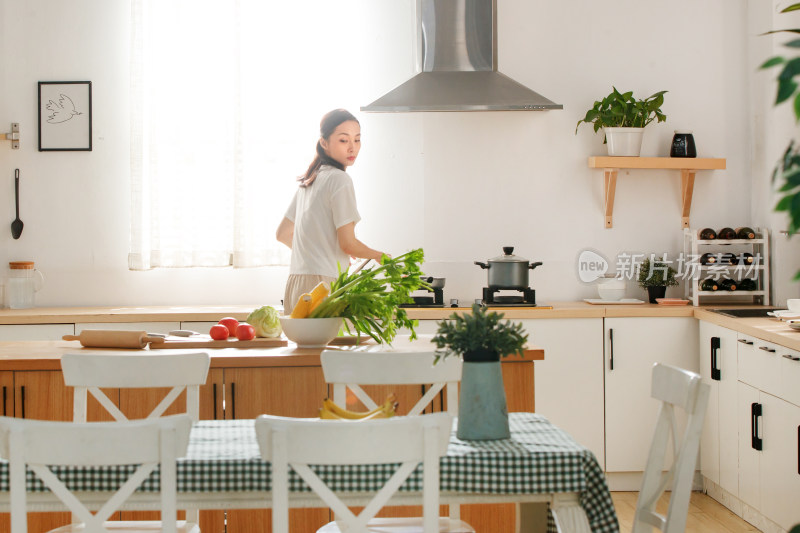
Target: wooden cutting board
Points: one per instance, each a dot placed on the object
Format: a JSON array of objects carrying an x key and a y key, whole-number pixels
[{"x": 204, "y": 341}]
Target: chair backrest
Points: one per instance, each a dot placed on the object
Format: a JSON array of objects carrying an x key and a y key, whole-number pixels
[
  {"x": 348, "y": 370},
  {"x": 675, "y": 388},
  {"x": 146, "y": 443},
  {"x": 299, "y": 443},
  {"x": 91, "y": 371}
]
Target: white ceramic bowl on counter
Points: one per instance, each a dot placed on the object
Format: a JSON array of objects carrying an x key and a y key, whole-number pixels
[
  {"x": 611, "y": 289},
  {"x": 311, "y": 332}
]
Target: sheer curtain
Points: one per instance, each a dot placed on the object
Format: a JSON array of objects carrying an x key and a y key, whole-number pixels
[{"x": 226, "y": 98}]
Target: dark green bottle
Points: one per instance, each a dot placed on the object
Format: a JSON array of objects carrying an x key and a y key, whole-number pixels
[
  {"x": 745, "y": 259},
  {"x": 727, "y": 284},
  {"x": 747, "y": 284},
  {"x": 708, "y": 259},
  {"x": 727, "y": 259},
  {"x": 745, "y": 233},
  {"x": 707, "y": 234},
  {"x": 708, "y": 285},
  {"x": 726, "y": 234}
]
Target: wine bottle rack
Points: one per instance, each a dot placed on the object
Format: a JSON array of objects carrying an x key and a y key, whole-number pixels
[{"x": 693, "y": 247}]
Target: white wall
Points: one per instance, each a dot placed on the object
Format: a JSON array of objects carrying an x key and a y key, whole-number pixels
[{"x": 461, "y": 185}]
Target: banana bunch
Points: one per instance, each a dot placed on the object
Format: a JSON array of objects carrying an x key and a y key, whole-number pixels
[
  {"x": 331, "y": 411},
  {"x": 308, "y": 301}
]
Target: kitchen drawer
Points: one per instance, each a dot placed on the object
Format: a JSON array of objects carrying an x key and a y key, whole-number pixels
[
  {"x": 760, "y": 364},
  {"x": 150, "y": 327},
  {"x": 790, "y": 378}
]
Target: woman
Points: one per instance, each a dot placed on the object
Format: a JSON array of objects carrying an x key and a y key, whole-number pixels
[{"x": 319, "y": 225}]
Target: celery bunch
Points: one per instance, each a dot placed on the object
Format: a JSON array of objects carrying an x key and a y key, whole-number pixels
[{"x": 370, "y": 298}]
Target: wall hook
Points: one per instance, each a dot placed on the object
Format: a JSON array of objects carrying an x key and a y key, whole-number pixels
[{"x": 13, "y": 136}]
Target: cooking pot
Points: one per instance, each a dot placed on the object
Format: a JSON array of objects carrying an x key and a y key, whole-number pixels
[
  {"x": 508, "y": 271},
  {"x": 435, "y": 283}
]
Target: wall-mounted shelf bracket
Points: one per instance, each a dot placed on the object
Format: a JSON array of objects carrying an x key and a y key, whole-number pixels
[
  {"x": 687, "y": 166},
  {"x": 13, "y": 136}
]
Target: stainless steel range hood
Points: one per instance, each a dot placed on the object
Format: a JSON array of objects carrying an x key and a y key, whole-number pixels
[{"x": 458, "y": 56}]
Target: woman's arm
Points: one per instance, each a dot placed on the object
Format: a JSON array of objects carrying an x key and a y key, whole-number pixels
[
  {"x": 285, "y": 232},
  {"x": 352, "y": 246}
]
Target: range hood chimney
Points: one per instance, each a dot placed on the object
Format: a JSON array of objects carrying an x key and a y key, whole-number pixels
[{"x": 458, "y": 50}]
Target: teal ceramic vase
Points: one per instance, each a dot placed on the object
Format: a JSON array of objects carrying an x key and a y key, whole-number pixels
[{"x": 482, "y": 412}]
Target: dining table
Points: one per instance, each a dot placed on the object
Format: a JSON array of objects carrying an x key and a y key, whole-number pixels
[{"x": 223, "y": 469}]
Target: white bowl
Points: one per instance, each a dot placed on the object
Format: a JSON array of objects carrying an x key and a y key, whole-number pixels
[
  {"x": 610, "y": 293},
  {"x": 793, "y": 304},
  {"x": 311, "y": 332}
]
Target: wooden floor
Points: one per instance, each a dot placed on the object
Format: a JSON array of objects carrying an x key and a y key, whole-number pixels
[{"x": 705, "y": 514}]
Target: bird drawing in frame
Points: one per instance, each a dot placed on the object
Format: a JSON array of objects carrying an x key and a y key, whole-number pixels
[{"x": 61, "y": 111}]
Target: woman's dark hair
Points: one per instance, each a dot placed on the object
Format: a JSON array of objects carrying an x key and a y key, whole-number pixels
[{"x": 327, "y": 125}]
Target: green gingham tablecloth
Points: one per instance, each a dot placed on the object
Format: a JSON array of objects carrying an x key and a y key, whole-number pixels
[{"x": 538, "y": 458}]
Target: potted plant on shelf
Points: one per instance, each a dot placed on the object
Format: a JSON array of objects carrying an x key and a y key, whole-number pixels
[
  {"x": 480, "y": 339},
  {"x": 656, "y": 276},
  {"x": 623, "y": 118}
]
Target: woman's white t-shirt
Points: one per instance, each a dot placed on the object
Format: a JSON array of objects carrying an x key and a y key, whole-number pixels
[{"x": 317, "y": 212}]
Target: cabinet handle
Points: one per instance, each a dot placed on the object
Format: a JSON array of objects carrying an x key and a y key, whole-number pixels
[
  {"x": 233, "y": 401},
  {"x": 611, "y": 349},
  {"x": 791, "y": 357},
  {"x": 215, "y": 400},
  {"x": 744, "y": 341},
  {"x": 22, "y": 397},
  {"x": 755, "y": 413},
  {"x": 5, "y": 400},
  {"x": 798, "y": 450},
  {"x": 767, "y": 349},
  {"x": 715, "y": 371}
]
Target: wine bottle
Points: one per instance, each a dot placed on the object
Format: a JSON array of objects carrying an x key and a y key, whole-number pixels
[
  {"x": 708, "y": 284},
  {"x": 745, "y": 259},
  {"x": 745, "y": 233},
  {"x": 747, "y": 284},
  {"x": 727, "y": 284},
  {"x": 708, "y": 259},
  {"x": 727, "y": 259},
  {"x": 726, "y": 233},
  {"x": 707, "y": 234}
]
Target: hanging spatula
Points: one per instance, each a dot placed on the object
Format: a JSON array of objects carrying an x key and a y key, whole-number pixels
[{"x": 16, "y": 225}]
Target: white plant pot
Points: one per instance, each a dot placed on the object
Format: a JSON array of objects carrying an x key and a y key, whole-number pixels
[{"x": 624, "y": 141}]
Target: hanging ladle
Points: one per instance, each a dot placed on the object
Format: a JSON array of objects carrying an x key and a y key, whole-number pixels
[{"x": 16, "y": 225}]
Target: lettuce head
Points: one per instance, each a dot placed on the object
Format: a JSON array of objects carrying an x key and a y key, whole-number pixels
[{"x": 265, "y": 320}]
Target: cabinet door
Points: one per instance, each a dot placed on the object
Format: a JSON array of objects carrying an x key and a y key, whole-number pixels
[
  {"x": 632, "y": 347},
  {"x": 6, "y": 393},
  {"x": 288, "y": 391},
  {"x": 35, "y": 332},
  {"x": 749, "y": 456},
  {"x": 780, "y": 461},
  {"x": 719, "y": 448},
  {"x": 571, "y": 375}
]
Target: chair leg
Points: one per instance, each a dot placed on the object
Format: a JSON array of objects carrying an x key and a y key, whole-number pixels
[{"x": 569, "y": 516}]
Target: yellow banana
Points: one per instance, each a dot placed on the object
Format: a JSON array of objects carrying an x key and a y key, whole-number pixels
[
  {"x": 303, "y": 307},
  {"x": 318, "y": 294},
  {"x": 386, "y": 409}
]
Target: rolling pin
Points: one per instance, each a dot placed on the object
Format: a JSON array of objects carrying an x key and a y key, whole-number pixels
[{"x": 100, "y": 338}]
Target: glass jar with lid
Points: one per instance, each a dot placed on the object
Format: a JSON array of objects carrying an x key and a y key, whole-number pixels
[{"x": 22, "y": 283}]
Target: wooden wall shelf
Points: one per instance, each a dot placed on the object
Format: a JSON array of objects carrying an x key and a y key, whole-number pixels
[{"x": 687, "y": 166}]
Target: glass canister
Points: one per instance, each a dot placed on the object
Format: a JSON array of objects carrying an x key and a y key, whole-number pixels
[{"x": 22, "y": 284}]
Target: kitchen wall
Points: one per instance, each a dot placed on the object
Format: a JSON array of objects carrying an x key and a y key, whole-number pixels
[{"x": 461, "y": 185}]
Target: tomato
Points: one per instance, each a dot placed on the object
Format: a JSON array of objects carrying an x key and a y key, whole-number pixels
[
  {"x": 245, "y": 332},
  {"x": 231, "y": 324},
  {"x": 219, "y": 332}
]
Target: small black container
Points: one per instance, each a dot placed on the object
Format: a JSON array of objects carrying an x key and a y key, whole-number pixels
[{"x": 683, "y": 145}]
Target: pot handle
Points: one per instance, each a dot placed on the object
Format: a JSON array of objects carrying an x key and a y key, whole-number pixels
[
  {"x": 482, "y": 265},
  {"x": 534, "y": 265}
]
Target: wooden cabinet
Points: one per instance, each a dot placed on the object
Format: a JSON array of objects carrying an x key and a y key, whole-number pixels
[
  {"x": 779, "y": 473},
  {"x": 719, "y": 453},
  {"x": 632, "y": 347}
]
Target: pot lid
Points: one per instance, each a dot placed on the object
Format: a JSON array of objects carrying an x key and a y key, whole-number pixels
[{"x": 508, "y": 257}]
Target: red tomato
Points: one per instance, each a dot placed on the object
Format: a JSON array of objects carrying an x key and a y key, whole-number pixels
[
  {"x": 231, "y": 324},
  {"x": 245, "y": 332},
  {"x": 219, "y": 332}
]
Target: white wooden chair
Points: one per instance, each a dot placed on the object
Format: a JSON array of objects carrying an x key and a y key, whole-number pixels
[
  {"x": 146, "y": 443},
  {"x": 298, "y": 443},
  {"x": 675, "y": 388},
  {"x": 88, "y": 372},
  {"x": 348, "y": 370}
]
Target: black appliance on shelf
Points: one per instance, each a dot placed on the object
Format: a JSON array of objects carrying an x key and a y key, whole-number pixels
[
  {"x": 426, "y": 300},
  {"x": 526, "y": 299}
]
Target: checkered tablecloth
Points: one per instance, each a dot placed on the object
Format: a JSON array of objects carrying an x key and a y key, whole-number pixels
[{"x": 538, "y": 458}]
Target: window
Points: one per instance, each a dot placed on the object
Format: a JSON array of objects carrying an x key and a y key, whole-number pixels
[{"x": 226, "y": 98}]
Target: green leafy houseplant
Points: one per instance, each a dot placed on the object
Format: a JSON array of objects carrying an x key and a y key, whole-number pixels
[
  {"x": 622, "y": 110},
  {"x": 479, "y": 336},
  {"x": 370, "y": 299},
  {"x": 788, "y": 168},
  {"x": 660, "y": 274}
]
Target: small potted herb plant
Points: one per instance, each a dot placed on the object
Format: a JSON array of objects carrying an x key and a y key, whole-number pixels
[
  {"x": 481, "y": 340},
  {"x": 623, "y": 118},
  {"x": 656, "y": 276}
]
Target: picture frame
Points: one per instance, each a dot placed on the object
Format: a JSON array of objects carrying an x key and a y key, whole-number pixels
[{"x": 65, "y": 116}]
